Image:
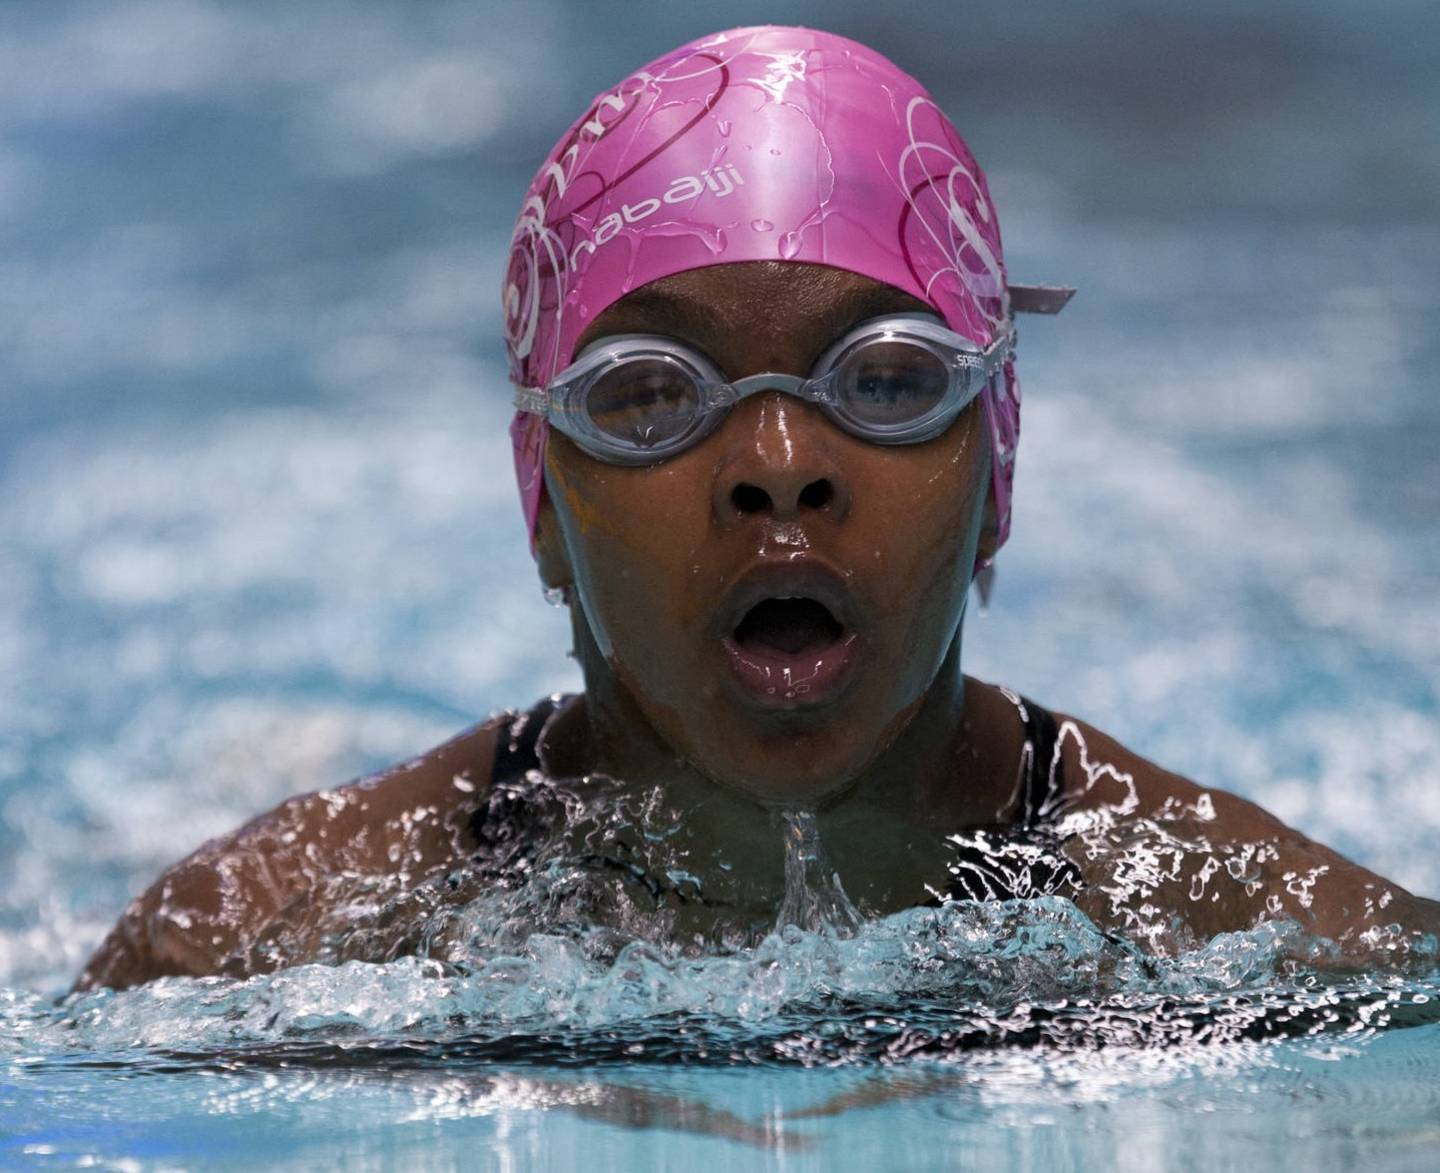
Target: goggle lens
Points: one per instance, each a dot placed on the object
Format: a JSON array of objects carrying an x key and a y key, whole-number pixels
[
  {"x": 884, "y": 384},
  {"x": 644, "y": 401}
]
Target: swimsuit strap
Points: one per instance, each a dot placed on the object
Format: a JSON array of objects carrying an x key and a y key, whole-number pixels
[
  {"x": 516, "y": 754},
  {"x": 1023, "y": 859},
  {"x": 516, "y": 749},
  {"x": 1042, "y": 764}
]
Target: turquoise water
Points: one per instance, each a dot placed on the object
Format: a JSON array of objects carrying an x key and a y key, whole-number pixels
[
  {"x": 1364, "y": 1106},
  {"x": 257, "y": 536}
]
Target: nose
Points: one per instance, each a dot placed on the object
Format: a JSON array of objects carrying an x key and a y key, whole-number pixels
[{"x": 781, "y": 463}]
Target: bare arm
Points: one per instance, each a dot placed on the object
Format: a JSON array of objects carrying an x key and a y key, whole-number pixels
[
  {"x": 1174, "y": 864},
  {"x": 213, "y": 912}
]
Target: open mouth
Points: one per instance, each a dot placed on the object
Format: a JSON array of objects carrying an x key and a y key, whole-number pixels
[
  {"x": 789, "y": 633},
  {"x": 788, "y": 627}
]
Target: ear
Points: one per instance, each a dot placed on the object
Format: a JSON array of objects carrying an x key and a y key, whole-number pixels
[{"x": 551, "y": 557}]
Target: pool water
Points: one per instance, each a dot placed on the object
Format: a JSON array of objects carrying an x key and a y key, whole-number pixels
[{"x": 258, "y": 536}]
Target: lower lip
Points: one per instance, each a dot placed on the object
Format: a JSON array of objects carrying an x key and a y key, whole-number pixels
[{"x": 777, "y": 680}]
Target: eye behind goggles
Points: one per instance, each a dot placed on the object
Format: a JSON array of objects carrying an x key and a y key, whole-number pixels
[{"x": 638, "y": 399}]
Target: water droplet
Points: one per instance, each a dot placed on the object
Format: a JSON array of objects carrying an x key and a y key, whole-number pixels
[
  {"x": 723, "y": 126},
  {"x": 761, "y": 225},
  {"x": 789, "y": 246},
  {"x": 555, "y": 596}
]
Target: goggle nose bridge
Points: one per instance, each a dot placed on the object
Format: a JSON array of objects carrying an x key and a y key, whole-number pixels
[{"x": 728, "y": 394}]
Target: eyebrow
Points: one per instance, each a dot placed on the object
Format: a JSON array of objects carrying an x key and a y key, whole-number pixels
[
  {"x": 643, "y": 306},
  {"x": 696, "y": 319}
]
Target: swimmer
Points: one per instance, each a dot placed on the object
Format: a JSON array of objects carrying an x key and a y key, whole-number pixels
[{"x": 762, "y": 338}]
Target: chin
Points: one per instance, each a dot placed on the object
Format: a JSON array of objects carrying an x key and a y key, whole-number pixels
[{"x": 783, "y": 769}]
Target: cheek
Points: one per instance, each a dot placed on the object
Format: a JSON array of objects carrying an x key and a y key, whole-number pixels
[
  {"x": 934, "y": 511},
  {"x": 634, "y": 540},
  {"x": 930, "y": 554}
]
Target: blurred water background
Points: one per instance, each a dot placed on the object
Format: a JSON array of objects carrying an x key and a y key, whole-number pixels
[{"x": 258, "y": 531}]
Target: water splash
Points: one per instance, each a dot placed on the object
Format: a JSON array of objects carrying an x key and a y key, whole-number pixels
[
  {"x": 591, "y": 926},
  {"x": 814, "y": 900},
  {"x": 933, "y": 983}
]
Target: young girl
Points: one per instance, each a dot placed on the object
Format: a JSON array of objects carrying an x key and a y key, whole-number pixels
[{"x": 762, "y": 337}]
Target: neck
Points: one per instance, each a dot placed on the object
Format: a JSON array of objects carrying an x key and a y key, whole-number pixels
[{"x": 929, "y": 780}]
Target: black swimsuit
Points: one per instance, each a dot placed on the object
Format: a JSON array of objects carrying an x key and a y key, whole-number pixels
[{"x": 1020, "y": 859}]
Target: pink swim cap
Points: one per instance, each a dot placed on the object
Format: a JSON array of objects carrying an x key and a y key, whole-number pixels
[{"x": 757, "y": 144}]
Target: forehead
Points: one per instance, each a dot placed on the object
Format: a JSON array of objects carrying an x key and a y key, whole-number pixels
[{"x": 800, "y": 301}]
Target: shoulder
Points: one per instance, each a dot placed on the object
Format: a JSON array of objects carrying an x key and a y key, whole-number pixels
[
  {"x": 1101, "y": 774},
  {"x": 1087, "y": 768},
  {"x": 212, "y": 912},
  {"x": 1174, "y": 862}
]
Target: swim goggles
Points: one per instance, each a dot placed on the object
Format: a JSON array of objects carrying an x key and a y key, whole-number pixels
[{"x": 637, "y": 399}]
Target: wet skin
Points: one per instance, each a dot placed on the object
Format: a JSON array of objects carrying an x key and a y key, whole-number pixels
[
  {"x": 651, "y": 557},
  {"x": 898, "y": 751}
]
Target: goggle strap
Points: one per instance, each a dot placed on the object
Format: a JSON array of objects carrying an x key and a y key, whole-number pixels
[
  {"x": 1000, "y": 350},
  {"x": 1039, "y": 299}
]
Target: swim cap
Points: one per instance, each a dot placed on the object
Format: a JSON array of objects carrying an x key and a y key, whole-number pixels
[{"x": 757, "y": 144}]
